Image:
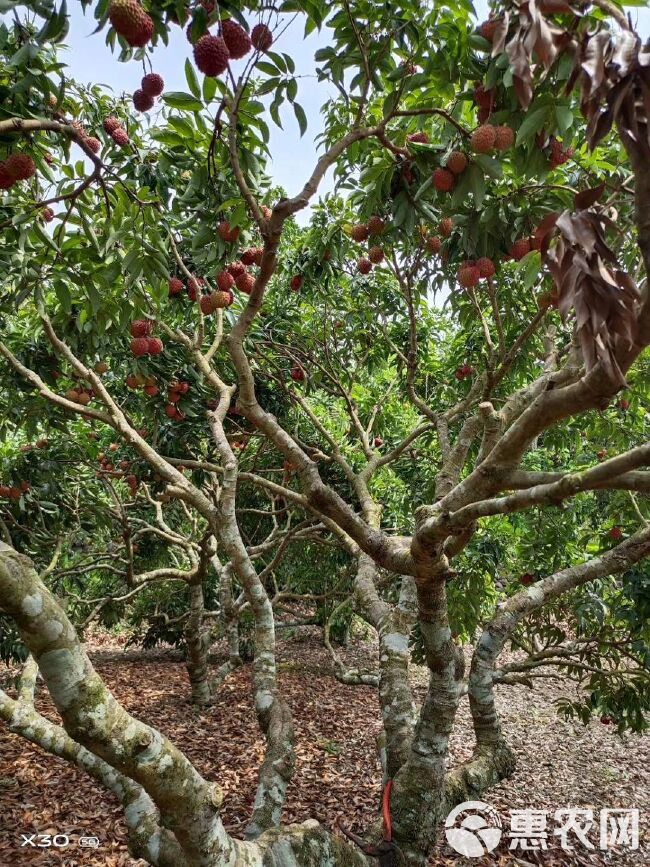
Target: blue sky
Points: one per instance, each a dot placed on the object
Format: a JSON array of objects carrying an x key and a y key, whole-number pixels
[{"x": 90, "y": 60}]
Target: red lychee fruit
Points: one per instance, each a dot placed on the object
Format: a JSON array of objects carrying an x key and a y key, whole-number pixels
[
  {"x": 226, "y": 233},
  {"x": 206, "y": 305},
  {"x": 72, "y": 395},
  {"x": 249, "y": 257},
  {"x": 602, "y": 454},
  {"x": 616, "y": 534},
  {"x": 6, "y": 180},
  {"x": 297, "y": 373},
  {"x": 152, "y": 84},
  {"x": 456, "y": 162},
  {"x": 193, "y": 288},
  {"x": 364, "y": 266},
  {"x": 407, "y": 175},
  {"x": 433, "y": 244},
  {"x": 131, "y": 22},
  {"x": 142, "y": 101},
  {"x": 221, "y": 299},
  {"x": 132, "y": 381},
  {"x": 20, "y": 167},
  {"x": 47, "y": 214},
  {"x": 504, "y": 138},
  {"x": 486, "y": 267},
  {"x": 225, "y": 281},
  {"x": 520, "y": 249},
  {"x": 261, "y": 37},
  {"x": 170, "y": 410},
  {"x": 468, "y": 275},
  {"x": 606, "y": 720},
  {"x": 175, "y": 286},
  {"x": 443, "y": 180},
  {"x": 155, "y": 345},
  {"x": 487, "y": 29},
  {"x": 527, "y": 579},
  {"x": 93, "y": 143},
  {"x": 376, "y": 226},
  {"x": 483, "y": 98},
  {"x": 446, "y": 227},
  {"x": 211, "y": 55},
  {"x": 141, "y": 327},
  {"x": 377, "y": 442},
  {"x": 296, "y": 283},
  {"x": 139, "y": 346},
  {"x": 236, "y": 38},
  {"x": 236, "y": 269},
  {"x": 418, "y": 138},
  {"x": 482, "y": 139},
  {"x": 376, "y": 255},
  {"x": 120, "y": 137},
  {"x": 151, "y": 390},
  {"x": 359, "y": 233},
  {"x": 245, "y": 283},
  {"x": 624, "y": 404}
]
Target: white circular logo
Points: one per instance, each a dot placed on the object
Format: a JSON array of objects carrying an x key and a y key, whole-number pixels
[{"x": 478, "y": 833}]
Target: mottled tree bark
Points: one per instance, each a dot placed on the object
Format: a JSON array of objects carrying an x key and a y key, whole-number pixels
[
  {"x": 197, "y": 641},
  {"x": 230, "y": 621}
]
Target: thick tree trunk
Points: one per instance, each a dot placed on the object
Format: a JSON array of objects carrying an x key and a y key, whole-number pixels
[
  {"x": 197, "y": 640},
  {"x": 151, "y": 773},
  {"x": 230, "y": 620}
]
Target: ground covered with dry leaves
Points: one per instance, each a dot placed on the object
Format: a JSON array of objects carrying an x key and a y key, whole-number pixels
[{"x": 337, "y": 775}]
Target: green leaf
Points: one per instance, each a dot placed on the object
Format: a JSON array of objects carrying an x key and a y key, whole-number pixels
[
  {"x": 182, "y": 101},
  {"x": 192, "y": 80},
  {"x": 533, "y": 122},
  {"x": 301, "y": 117}
]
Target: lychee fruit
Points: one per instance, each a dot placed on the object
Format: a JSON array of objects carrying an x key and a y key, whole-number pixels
[
  {"x": 101, "y": 367},
  {"x": 236, "y": 38},
  {"x": 504, "y": 138},
  {"x": 520, "y": 249},
  {"x": 152, "y": 84},
  {"x": 155, "y": 345},
  {"x": 359, "y": 233},
  {"x": 47, "y": 214},
  {"x": 482, "y": 139},
  {"x": 376, "y": 255},
  {"x": 433, "y": 244},
  {"x": 446, "y": 227},
  {"x": 616, "y": 534},
  {"x": 261, "y": 37},
  {"x": 527, "y": 579},
  {"x": 226, "y": 233},
  {"x": 249, "y": 257},
  {"x": 170, "y": 410},
  {"x": 20, "y": 167},
  {"x": 297, "y": 373},
  {"x": 120, "y": 137},
  {"x": 131, "y": 22},
  {"x": 468, "y": 275},
  {"x": 418, "y": 138},
  {"x": 456, "y": 162},
  {"x": 443, "y": 180},
  {"x": 364, "y": 266},
  {"x": 225, "y": 281},
  {"x": 142, "y": 101},
  {"x": 141, "y": 327},
  {"x": 296, "y": 282},
  {"x": 175, "y": 286},
  {"x": 487, "y": 29},
  {"x": 206, "y": 305},
  {"x": 486, "y": 267},
  {"x": 245, "y": 283},
  {"x": 139, "y": 346},
  {"x": 377, "y": 442},
  {"x": 236, "y": 269},
  {"x": 193, "y": 288},
  {"x": 93, "y": 143},
  {"x": 376, "y": 226},
  {"x": 221, "y": 299},
  {"x": 6, "y": 180},
  {"x": 211, "y": 55}
]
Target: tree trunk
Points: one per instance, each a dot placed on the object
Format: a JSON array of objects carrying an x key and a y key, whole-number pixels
[{"x": 197, "y": 640}]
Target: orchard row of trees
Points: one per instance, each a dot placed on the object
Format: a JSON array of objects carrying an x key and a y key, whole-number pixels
[{"x": 428, "y": 408}]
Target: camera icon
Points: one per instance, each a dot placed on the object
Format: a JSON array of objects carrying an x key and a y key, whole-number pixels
[{"x": 89, "y": 842}]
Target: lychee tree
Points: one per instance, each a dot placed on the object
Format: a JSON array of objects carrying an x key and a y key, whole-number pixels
[{"x": 500, "y": 169}]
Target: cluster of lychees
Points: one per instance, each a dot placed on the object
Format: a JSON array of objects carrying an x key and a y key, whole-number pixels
[
  {"x": 13, "y": 492},
  {"x": 116, "y": 131},
  {"x": 213, "y": 53},
  {"x": 17, "y": 167},
  {"x": 559, "y": 154},
  {"x": 82, "y": 396},
  {"x": 151, "y": 86},
  {"x": 362, "y": 232},
  {"x": 483, "y": 140},
  {"x": 142, "y": 342},
  {"x": 131, "y": 22}
]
